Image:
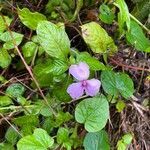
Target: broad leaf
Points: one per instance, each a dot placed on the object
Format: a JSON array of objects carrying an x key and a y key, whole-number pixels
[
  {"x": 124, "y": 84},
  {"x": 9, "y": 40},
  {"x": 123, "y": 15},
  {"x": 93, "y": 113},
  {"x": 115, "y": 83},
  {"x": 97, "y": 38},
  {"x": 137, "y": 38},
  {"x": 106, "y": 14},
  {"x": 96, "y": 141},
  {"x": 40, "y": 140},
  {"x": 29, "y": 49},
  {"x": 108, "y": 82},
  {"x": 15, "y": 90},
  {"x": 30, "y": 19},
  {"x": 3, "y": 25},
  {"x": 5, "y": 58},
  {"x": 46, "y": 71},
  {"x": 93, "y": 63},
  {"x": 53, "y": 39}
]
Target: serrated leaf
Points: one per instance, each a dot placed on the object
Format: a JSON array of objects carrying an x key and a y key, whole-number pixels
[
  {"x": 93, "y": 63},
  {"x": 93, "y": 113},
  {"x": 30, "y": 19},
  {"x": 40, "y": 140},
  {"x": 29, "y": 49},
  {"x": 115, "y": 83},
  {"x": 53, "y": 39},
  {"x": 22, "y": 121},
  {"x": 123, "y": 15},
  {"x": 106, "y": 14},
  {"x": 9, "y": 41},
  {"x": 97, "y": 38},
  {"x": 137, "y": 38},
  {"x": 3, "y": 26},
  {"x": 15, "y": 90},
  {"x": 5, "y": 58},
  {"x": 26, "y": 123},
  {"x": 96, "y": 141}
]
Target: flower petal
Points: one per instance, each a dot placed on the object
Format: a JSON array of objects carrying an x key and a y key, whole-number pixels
[
  {"x": 75, "y": 90},
  {"x": 80, "y": 71},
  {"x": 92, "y": 87}
]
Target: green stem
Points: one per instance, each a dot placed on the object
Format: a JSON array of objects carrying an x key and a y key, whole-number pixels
[
  {"x": 79, "y": 6},
  {"x": 16, "y": 107}
]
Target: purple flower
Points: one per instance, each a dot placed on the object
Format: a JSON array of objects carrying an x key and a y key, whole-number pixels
[{"x": 81, "y": 73}]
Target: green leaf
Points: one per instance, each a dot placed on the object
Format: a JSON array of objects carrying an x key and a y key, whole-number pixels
[
  {"x": 43, "y": 137},
  {"x": 106, "y": 14},
  {"x": 114, "y": 83},
  {"x": 5, "y": 58},
  {"x": 29, "y": 18},
  {"x": 124, "y": 84},
  {"x": 120, "y": 106},
  {"x": 96, "y": 141},
  {"x": 15, "y": 90},
  {"x": 124, "y": 142},
  {"x": 21, "y": 100},
  {"x": 108, "y": 82},
  {"x": 47, "y": 70},
  {"x": 29, "y": 49},
  {"x": 53, "y": 39},
  {"x": 62, "y": 118},
  {"x": 40, "y": 140},
  {"x": 22, "y": 121},
  {"x": 93, "y": 63},
  {"x": 5, "y": 101},
  {"x": 127, "y": 138},
  {"x": 58, "y": 67},
  {"x": 6, "y": 146},
  {"x": 121, "y": 145},
  {"x": 62, "y": 135},
  {"x": 60, "y": 89},
  {"x": 11, "y": 136},
  {"x": 123, "y": 16},
  {"x": 41, "y": 72},
  {"x": 97, "y": 38},
  {"x": 137, "y": 38},
  {"x": 9, "y": 41},
  {"x": 3, "y": 26},
  {"x": 45, "y": 111},
  {"x": 93, "y": 113},
  {"x": 63, "y": 138}
]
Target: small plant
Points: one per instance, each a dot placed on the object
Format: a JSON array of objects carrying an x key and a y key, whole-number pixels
[{"x": 66, "y": 79}]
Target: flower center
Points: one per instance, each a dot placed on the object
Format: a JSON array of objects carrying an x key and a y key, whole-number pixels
[{"x": 84, "y": 83}]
